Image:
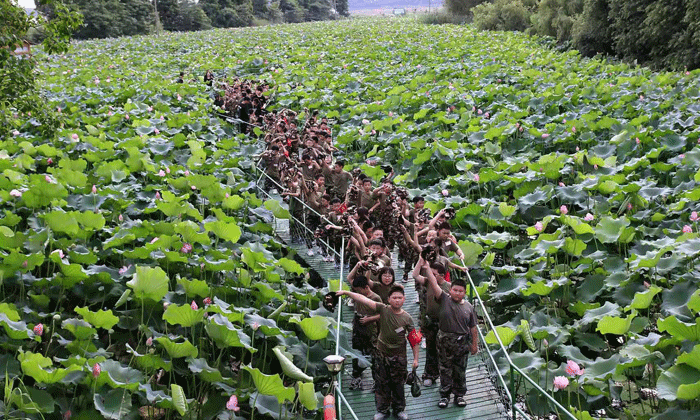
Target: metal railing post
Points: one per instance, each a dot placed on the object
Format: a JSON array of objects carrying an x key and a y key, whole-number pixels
[{"x": 512, "y": 391}]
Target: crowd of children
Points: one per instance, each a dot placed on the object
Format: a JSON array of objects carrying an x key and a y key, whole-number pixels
[{"x": 346, "y": 207}]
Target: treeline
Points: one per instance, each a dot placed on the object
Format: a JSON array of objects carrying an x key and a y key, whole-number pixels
[
  {"x": 113, "y": 18},
  {"x": 657, "y": 33}
]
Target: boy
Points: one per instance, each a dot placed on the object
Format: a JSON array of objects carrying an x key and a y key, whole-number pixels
[
  {"x": 364, "y": 329},
  {"x": 457, "y": 338},
  {"x": 395, "y": 325}
]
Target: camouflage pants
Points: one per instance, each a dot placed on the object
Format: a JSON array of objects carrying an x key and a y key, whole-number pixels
[
  {"x": 364, "y": 338},
  {"x": 453, "y": 350},
  {"x": 429, "y": 329},
  {"x": 390, "y": 379}
]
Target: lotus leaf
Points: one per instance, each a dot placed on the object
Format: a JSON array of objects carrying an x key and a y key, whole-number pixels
[
  {"x": 679, "y": 382},
  {"x": 315, "y": 327},
  {"x": 183, "y": 315},
  {"x": 180, "y": 349},
  {"x": 681, "y": 330},
  {"x": 113, "y": 404},
  {"x": 225, "y": 334},
  {"x": 507, "y": 335},
  {"x": 99, "y": 319},
  {"x": 271, "y": 385},
  {"x": 149, "y": 283}
]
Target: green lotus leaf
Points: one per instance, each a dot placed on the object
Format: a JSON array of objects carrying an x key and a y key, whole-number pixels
[
  {"x": 507, "y": 335},
  {"x": 608, "y": 309},
  {"x": 679, "y": 382},
  {"x": 256, "y": 261},
  {"x": 179, "y": 400},
  {"x": 90, "y": 220},
  {"x": 307, "y": 395},
  {"x": 99, "y": 319},
  {"x": 288, "y": 367},
  {"x": 270, "y": 385},
  {"x": 608, "y": 230},
  {"x": 266, "y": 292},
  {"x": 118, "y": 376},
  {"x": 149, "y": 283},
  {"x": 41, "y": 368},
  {"x": 574, "y": 247},
  {"x": 225, "y": 334},
  {"x": 603, "y": 368},
  {"x": 31, "y": 400},
  {"x": 183, "y": 315},
  {"x": 80, "y": 329},
  {"x": 226, "y": 231},
  {"x": 267, "y": 326},
  {"x": 471, "y": 251},
  {"x": 315, "y": 327},
  {"x": 60, "y": 221},
  {"x": 290, "y": 266},
  {"x": 615, "y": 325},
  {"x": 233, "y": 202},
  {"x": 204, "y": 371},
  {"x": 642, "y": 300},
  {"x": 277, "y": 210},
  {"x": 114, "y": 404},
  {"x": 10, "y": 311},
  {"x": 180, "y": 349},
  {"x": 694, "y": 302},
  {"x": 692, "y": 358},
  {"x": 149, "y": 362},
  {"x": 678, "y": 329},
  {"x": 194, "y": 287}
]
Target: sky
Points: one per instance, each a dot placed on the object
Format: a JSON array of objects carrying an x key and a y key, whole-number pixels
[{"x": 26, "y": 3}]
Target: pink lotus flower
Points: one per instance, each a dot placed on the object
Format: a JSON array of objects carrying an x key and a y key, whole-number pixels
[
  {"x": 39, "y": 329},
  {"x": 539, "y": 227},
  {"x": 59, "y": 109},
  {"x": 157, "y": 195},
  {"x": 595, "y": 166},
  {"x": 588, "y": 217},
  {"x": 96, "y": 370},
  {"x": 573, "y": 369},
  {"x": 186, "y": 248},
  {"x": 255, "y": 326},
  {"x": 154, "y": 240},
  {"x": 573, "y": 129},
  {"x": 194, "y": 306},
  {"x": 476, "y": 177},
  {"x": 560, "y": 382},
  {"x": 67, "y": 415},
  {"x": 74, "y": 136},
  {"x": 693, "y": 216},
  {"x": 49, "y": 161},
  {"x": 361, "y": 131},
  {"x": 157, "y": 131},
  {"x": 545, "y": 135},
  {"x": 15, "y": 133},
  {"x": 126, "y": 117},
  {"x": 110, "y": 113},
  {"x": 25, "y": 264},
  {"x": 207, "y": 301},
  {"x": 150, "y": 109},
  {"x": 124, "y": 269},
  {"x": 629, "y": 206},
  {"x": 179, "y": 98},
  {"x": 232, "y": 404},
  {"x": 561, "y": 184},
  {"x": 149, "y": 341},
  {"x": 16, "y": 193},
  {"x": 391, "y": 114},
  {"x": 637, "y": 140},
  {"x": 682, "y": 156},
  {"x": 121, "y": 218},
  {"x": 94, "y": 189},
  {"x": 365, "y": 121},
  {"x": 49, "y": 179},
  {"x": 167, "y": 170},
  {"x": 577, "y": 149},
  {"x": 687, "y": 229},
  {"x": 59, "y": 252},
  {"x": 479, "y": 112},
  {"x": 445, "y": 193},
  {"x": 161, "y": 173},
  {"x": 563, "y": 209},
  {"x": 193, "y": 188},
  {"x": 187, "y": 173}
]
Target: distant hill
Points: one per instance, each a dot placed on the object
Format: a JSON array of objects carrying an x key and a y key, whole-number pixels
[{"x": 391, "y": 4}]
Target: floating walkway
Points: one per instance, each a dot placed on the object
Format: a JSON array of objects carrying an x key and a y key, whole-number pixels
[{"x": 484, "y": 402}]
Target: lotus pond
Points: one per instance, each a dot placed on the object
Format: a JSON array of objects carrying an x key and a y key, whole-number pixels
[{"x": 141, "y": 277}]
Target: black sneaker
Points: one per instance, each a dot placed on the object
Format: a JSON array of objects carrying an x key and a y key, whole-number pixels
[
  {"x": 443, "y": 402},
  {"x": 460, "y": 401}
]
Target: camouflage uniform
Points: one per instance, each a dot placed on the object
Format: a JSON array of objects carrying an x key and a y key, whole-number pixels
[
  {"x": 390, "y": 379},
  {"x": 364, "y": 339},
  {"x": 429, "y": 328},
  {"x": 453, "y": 350}
]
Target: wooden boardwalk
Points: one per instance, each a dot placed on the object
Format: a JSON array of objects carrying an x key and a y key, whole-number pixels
[{"x": 483, "y": 400}]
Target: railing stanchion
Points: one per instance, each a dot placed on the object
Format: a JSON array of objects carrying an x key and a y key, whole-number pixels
[{"x": 512, "y": 391}]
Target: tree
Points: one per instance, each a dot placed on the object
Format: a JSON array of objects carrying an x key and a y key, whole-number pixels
[
  {"x": 18, "y": 92},
  {"x": 342, "y": 8},
  {"x": 591, "y": 33},
  {"x": 113, "y": 18},
  {"x": 461, "y": 7},
  {"x": 228, "y": 13},
  {"x": 182, "y": 15}
]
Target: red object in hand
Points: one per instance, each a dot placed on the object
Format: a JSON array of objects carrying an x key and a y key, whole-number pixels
[
  {"x": 415, "y": 337},
  {"x": 329, "y": 408}
]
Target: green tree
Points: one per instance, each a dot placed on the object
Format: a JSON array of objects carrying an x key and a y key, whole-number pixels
[
  {"x": 461, "y": 7},
  {"x": 591, "y": 33},
  {"x": 228, "y": 13},
  {"x": 291, "y": 11},
  {"x": 18, "y": 93},
  {"x": 342, "y": 7},
  {"x": 113, "y": 18},
  {"x": 556, "y": 18},
  {"x": 182, "y": 15}
]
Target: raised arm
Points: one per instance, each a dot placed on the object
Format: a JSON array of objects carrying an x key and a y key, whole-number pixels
[
  {"x": 416, "y": 271},
  {"x": 432, "y": 281},
  {"x": 359, "y": 298}
]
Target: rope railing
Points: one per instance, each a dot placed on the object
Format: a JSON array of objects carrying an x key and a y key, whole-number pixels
[{"x": 509, "y": 390}]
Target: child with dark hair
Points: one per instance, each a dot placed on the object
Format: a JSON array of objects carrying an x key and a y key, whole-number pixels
[
  {"x": 457, "y": 337},
  {"x": 395, "y": 325},
  {"x": 364, "y": 329}
]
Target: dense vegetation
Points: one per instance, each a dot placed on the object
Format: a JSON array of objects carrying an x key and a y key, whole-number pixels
[
  {"x": 659, "y": 33},
  {"x": 140, "y": 270}
]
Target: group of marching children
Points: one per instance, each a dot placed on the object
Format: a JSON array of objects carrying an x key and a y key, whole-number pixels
[{"x": 372, "y": 219}]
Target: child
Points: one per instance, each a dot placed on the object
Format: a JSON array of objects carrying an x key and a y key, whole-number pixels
[
  {"x": 364, "y": 329},
  {"x": 395, "y": 325}
]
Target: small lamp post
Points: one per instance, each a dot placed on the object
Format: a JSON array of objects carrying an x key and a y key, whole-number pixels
[{"x": 334, "y": 363}]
